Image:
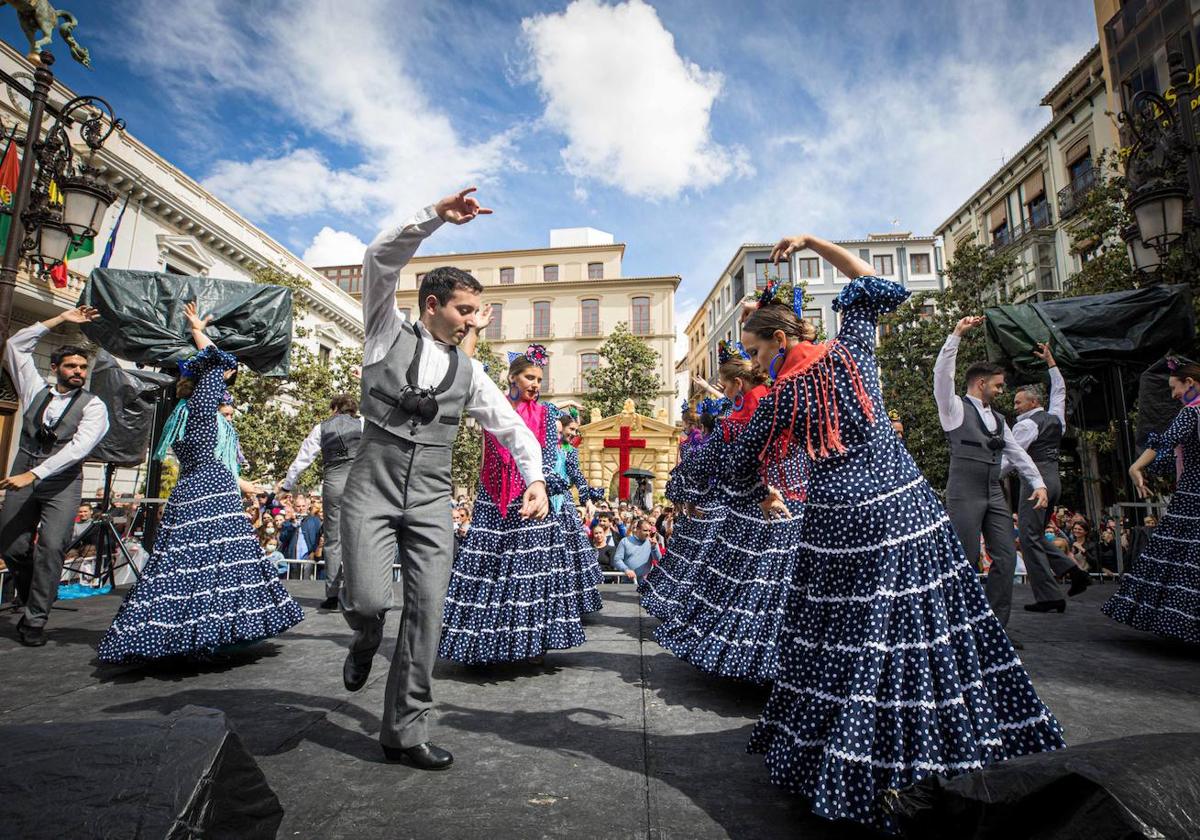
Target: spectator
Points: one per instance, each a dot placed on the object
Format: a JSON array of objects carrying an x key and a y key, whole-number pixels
[
  {"x": 602, "y": 542},
  {"x": 636, "y": 553},
  {"x": 272, "y": 553},
  {"x": 1083, "y": 546},
  {"x": 301, "y": 531},
  {"x": 1106, "y": 552},
  {"x": 462, "y": 524}
]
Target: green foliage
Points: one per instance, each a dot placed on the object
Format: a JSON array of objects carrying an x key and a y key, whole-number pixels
[
  {"x": 467, "y": 455},
  {"x": 913, "y": 337},
  {"x": 627, "y": 371}
]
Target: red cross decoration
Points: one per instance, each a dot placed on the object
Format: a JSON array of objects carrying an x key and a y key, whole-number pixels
[{"x": 625, "y": 444}]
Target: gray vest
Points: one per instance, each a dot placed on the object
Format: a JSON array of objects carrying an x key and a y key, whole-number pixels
[
  {"x": 34, "y": 448},
  {"x": 1044, "y": 450},
  {"x": 384, "y": 383},
  {"x": 340, "y": 435},
  {"x": 969, "y": 442}
]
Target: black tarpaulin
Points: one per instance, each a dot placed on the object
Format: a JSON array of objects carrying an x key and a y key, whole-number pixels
[
  {"x": 1144, "y": 786},
  {"x": 183, "y": 776},
  {"x": 142, "y": 320},
  {"x": 1089, "y": 333},
  {"x": 129, "y": 396}
]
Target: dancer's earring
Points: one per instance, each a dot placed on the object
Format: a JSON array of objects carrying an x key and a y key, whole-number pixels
[
  {"x": 513, "y": 391},
  {"x": 776, "y": 361}
]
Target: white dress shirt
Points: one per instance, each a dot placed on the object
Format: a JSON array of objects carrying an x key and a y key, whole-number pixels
[
  {"x": 93, "y": 425},
  {"x": 310, "y": 448},
  {"x": 490, "y": 408},
  {"x": 950, "y": 412}
]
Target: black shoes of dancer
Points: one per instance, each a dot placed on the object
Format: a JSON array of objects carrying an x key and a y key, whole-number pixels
[
  {"x": 1047, "y": 606},
  {"x": 30, "y": 636},
  {"x": 354, "y": 674},
  {"x": 1080, "y": 580},
  {"x": 329, "y": 604},
  {"x": 426, "y": 756}
]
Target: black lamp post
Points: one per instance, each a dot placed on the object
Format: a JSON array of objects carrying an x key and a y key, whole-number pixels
[{"x": 42, "y": 228}]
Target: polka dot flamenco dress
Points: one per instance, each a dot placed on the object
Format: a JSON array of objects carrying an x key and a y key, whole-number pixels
[
  {"x": 1162, "y": 592},
  {"x": 206, "y": 584},
  {"x": 513, "y": 593},
  {"x": 894, "y": 667},
  {"x": 585, "y": 562},
  {"x": 729, "y": 624},
  {"x": 666, "y": 586}
]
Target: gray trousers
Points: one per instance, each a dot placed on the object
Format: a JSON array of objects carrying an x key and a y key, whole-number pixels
[
  {"x": 976, "y": 505},
  {"x": 398, "y": 495},
  {"x": 1042, "y": 560},
  {"x": 47, "y": 510},
  {"x": 332, "y": 488}
]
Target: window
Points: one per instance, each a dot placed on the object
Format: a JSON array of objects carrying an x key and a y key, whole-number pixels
[
  {"x": 541, "y": 319},
  {"x": 420, "y": 277},
  {"x": 809, "y": 267},
  {"x": 918, "y": 263},
  {"x": 546, "y": 387},
  {"x": 640, "y": 324},
  {"x": 927, "y": 311},
  {"x": 495, "y": 330},
  {"x": 884, "y": 265},
  {"x": 406, "y": 313},
  {"x": 589, "y": 316},
  {"x": 764, "y": 269},
  {"x": 550, "y": 273},
  {"x": 508, "y": 276},
  {"x": 587, "y": 362},
  {"x": 596, "y": 271},
  {"x": 815, "y": 317},
  {"x": 323, "y": 354}
]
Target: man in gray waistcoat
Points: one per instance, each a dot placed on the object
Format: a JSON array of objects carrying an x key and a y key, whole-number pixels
[
  {"x": 979, "y": 439},
  {"x": 1040, "y": 431},
  {"x": 60, "y": 425},
  {"x": 416, "y": 383},
  {"x": 335, "y": 439}
]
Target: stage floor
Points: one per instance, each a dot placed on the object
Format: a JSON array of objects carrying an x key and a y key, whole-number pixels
[{"x": 617, "y": 739}]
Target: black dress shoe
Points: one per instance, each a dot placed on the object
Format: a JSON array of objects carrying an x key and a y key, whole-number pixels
[
  {"x": 329, "y": 604},
  {"x": 424, "y": 756},
  {"x": 1080, "y": 580},
  {"x": 31, "y": 636},
  {"x": 354, "y": 674},
  {"x": 1047, "y": 606}
]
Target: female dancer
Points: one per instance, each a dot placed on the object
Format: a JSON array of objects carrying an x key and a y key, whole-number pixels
[
  {"x": 512, "y": 593},
  {"x": 584, "y": 561},
  {"x": 729, "y": 624},
  {"x": 207, "y": 583},
  {"x": 1162, "y": 593},
  {"x": 895, "y": 667},
  {"x": 664, "y": 586}
]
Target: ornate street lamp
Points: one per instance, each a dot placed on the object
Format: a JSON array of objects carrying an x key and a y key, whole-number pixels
[{"x": 1145, "y": 260}]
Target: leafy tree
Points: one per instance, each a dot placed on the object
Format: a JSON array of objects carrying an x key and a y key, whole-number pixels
[
  {"x": 912, "y": 337},
  {"x": 467, "y": 455},
  {"x": 628, "y": 371}
]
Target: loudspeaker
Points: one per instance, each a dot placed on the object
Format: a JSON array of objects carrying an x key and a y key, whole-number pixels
[
  {"x": 129, "y": 396},
  {"x": 183, "y": 776}
]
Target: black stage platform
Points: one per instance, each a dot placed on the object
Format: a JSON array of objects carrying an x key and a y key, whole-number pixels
[{"x": 616, "y": 739}]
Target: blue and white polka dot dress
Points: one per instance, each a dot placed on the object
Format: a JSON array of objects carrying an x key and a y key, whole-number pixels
[
  {"x": 207, "y": 583},
  {"x": 1162, "y": 592},
  {"x": 585, "y": 562},
  {"x": 513, "y": 593},
  {"x": 893, "y": 666},
  {"x": 668, "y": 584},
  {"x": 729, "y": 623}
]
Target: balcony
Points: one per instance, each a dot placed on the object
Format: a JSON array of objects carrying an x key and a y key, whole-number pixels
[
  {"x": 494, "y": 332},
  {"x": 1072, "y": 197},
  {"x": 580, "y": 386},
  {"x": 1040, "y": 220},
  {"x": 587, "y": 329},
  {"x": 543, "y": 331}
]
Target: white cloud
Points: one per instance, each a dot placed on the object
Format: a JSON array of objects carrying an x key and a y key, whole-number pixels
[
  {"x": 334, "y": 247},
  {"x": 635, "y": 113}
]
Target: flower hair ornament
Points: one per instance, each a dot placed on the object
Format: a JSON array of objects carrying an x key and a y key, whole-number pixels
[
  {"x": 784, "y": 293},
  {"x": 712, "y": 407},
  {"x": 535, "y": 353},
  {"x": 730, "y": 350},
  {"x": 685, "y": 407}
]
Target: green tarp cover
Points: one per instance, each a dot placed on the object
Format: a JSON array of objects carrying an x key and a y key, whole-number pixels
[
  {"x": 1090, "y": 333},
  {"x": 142, "y": 320}
]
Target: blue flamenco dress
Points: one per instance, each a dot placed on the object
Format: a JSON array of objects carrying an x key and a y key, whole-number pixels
[
  {"x": 1162, "y": 591},
  {"x": 894, "y": 667},
  {"x": 668, "y": 584},
  {"x": 730, "y": 623},
  {"x": 585, "y": 562},
  {"x": 513, "y": 592},
  {"x": 206, "y": 584}
]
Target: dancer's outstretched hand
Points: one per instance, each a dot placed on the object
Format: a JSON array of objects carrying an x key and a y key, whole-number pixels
[
  {"x": 195, "y": 322},
  {"x": 80, "y": 314},
  {"x": 460, "y": 208},
  {"x": 1139, "y": 482},
  {"x": 1043, "y": 353},
  {"x": 774, "y": 507},
  {"x": 1039, "y": 499},
  {"x": 534, "y": 504},
  {"x": 967, "y": 324},
  {"x": 787, "y": 246}
]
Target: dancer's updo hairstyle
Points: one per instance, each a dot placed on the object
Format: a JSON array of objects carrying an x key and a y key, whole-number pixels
[
  {"x": 774, "y": 317},
  {"x": 739, "y": 368},
  {"x": 1186, "y": 370}
]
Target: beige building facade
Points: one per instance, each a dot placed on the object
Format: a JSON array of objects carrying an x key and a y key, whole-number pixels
[
  {"x": 568, "y": 297},
  {"x": 1025, "y": 209}
]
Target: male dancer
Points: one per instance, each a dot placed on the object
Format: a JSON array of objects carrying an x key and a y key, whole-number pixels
[
  {"x": 60, "y": 426},
  {"x": 1040, "y": 433},
  {"x": 416, "y": 383},
  {"x": 979, "y": 438},
  {"x": 336, "y": 439}
]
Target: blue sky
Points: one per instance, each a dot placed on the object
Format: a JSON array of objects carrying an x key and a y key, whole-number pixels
[{"x": 682, "y": 127}]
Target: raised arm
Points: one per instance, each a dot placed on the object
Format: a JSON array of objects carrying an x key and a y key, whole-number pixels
[
  {"x": 1058, "y": 385},
  {"x": 197, "y": 325},
  {"x": 22, "y": 343},
  {"x": 841, "y": 259},
  {"x": 310, "y": 448},
  {"x": 950, "y": 411}
]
